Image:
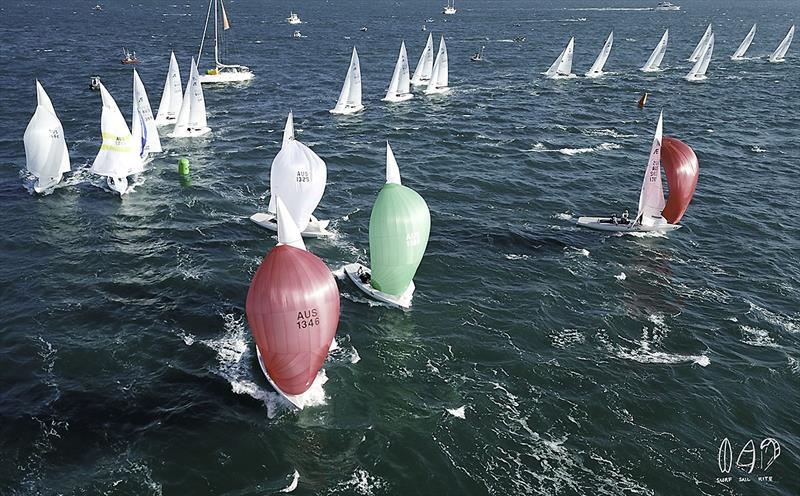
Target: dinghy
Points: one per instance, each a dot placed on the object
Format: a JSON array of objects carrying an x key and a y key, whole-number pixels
[
  {"x": 700, "y": 49},
  {"x": 422, "y": 74},
  {"x": 656, "y": 214},
  {"x": 350, "y": 98},
  {"x": 698, "y": 72},
  {"x": 118, "y": 157},
  {"x": 597, "y": 68},
  {"x": 172, "y": 96},
  {"x": 780, "y": 52},
  {"x": 293, "y": 311},
  {"x": 191, "y": 121},
  {"x": 440, "y": 72},
  {"x": 739, "y": 53},
  {"x": 221, "y": 73},
  {"x": 46, "y": 154},
  {"x": 653, "y": 64},
  {"x": 399, "y": 227},
  {"x": 400, "y": 86},
  {"x": 298, "y": 176},
  {"x": 143, "y": 125},
  {"x": 562, "y": 67}
]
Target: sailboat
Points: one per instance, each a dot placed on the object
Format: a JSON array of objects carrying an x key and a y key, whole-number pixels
[
  {"x": 350, "y": 98},
  {"x": 440, "y": 72},
  {"x": 450, "y": 8},
  {"x": 739, "y": 53},
  {"x": 118, "y": 157},
  {"x": 780, "y": 52},
  {"x": 172, "y": 96},
  {"x": 597, "y": 68},
  {"x": 46, "y": 154},
  {"x": 400, "y": 86},
  {"x": 655, "y": 214},
  {"x": 698, "y": 72},
  {"x": 298, "y": 176},
  {"x": 562, "y": 67},
  {"x": 654, "y": 62},
  {"x": 221, "y": 73},
  {"x": 191, "y": 121},
  {"x": 143, "y": 125},
  {"x": 399, "y": 227},
  {"x": 701, "y": 45},
  {"x": 293, "y": 311},
  {"x": 422, "y": 74}
]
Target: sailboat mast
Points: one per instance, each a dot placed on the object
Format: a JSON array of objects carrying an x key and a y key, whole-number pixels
[
  {"x": 216, "y": 34},
  {"x": 205, "y": 29}
]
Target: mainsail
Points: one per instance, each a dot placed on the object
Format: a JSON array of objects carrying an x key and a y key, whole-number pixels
[
  {"x": 422, "y": 74},
  {"x": 651, "y": 198},
  {"x": 172, "y": 97},
  {"x": 143, "y": 125}
]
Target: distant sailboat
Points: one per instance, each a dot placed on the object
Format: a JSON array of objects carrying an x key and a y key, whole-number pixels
[
  {"x": 221, "y": 73},
  {"x": 399, "y": 227},
  {"x": 350, "y": 98},
  {"x": 422, "y": 74},
  {"x": 597, "y": 68},
  {"x": 118, "y": 157},
  {"x": 562, "y": 67},
  {"x": 400, "y": 86},
  {"x": 739, "y": 53},
  {"x": 46, "y": 154},
  {"x": 654, "y": 62},
  {"x": 698, "y": 72},
  {"x": 780, "y": 52},
  {"x": 450, "y": 8},
  {"x": 298, "y": 176},
  {"x": 440, "y": 72},
  {"x": 293, "y": 311},
  {"x": 701, "y": 45},
  {"x": 655, "y": 214},
  {"x": 191, "y": 121},
  {"x": 143, "y": 125},
  {"x": 172, "y": 96}
]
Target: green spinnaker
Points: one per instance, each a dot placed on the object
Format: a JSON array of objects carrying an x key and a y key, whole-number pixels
[{"x": 399, "y": 227}]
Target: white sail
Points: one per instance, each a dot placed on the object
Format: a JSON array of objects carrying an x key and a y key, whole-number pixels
[
  {"x": 298, "y": 176},
  {"x": 654, "y": 62},
  {"x": 350, "y": 97},
  {"x": 597, "y": 68},
  {"x": 400, "y": 86},
  {"x": 701, "y": 45},
  {"x": 46, "y": 154},
  {"x": 739, "y": 53},
  {"x": 288, "y": 129},
  {"x": 143, "y": 125},
  {"x": 780, "y": 52},
  {"x": 440, "y": 74},
  {"x": 392, "y": 170},
  {"x": 422, "y": 74},
  {"x": 172, "y": 97},
  {"x": 192, "y": 116},
  {"x": 698, "y": 72},
  {"x": 651, "y": 199},
  {"x": 118, "y": 157},
  {"x": 562, "y": 67}
]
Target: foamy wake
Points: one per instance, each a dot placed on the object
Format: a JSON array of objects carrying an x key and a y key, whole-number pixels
[
  {"x": 361, "y": 482},
  {"x": 292, "y": 485},
  {"x": 539, "y": 147}
]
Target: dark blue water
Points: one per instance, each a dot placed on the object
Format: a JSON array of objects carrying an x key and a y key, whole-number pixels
[{"x": 584, "y": 363}]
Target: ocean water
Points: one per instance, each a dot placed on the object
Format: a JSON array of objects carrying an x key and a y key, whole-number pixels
[{"x": 537, "y": 358}]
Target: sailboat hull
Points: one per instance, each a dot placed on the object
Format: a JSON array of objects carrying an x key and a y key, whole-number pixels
[
  {"x": 421, "y": 82},
  {"x": 398, "y": 98},
  {"x": 695, "y": 79},
  {"x": 437, "y": 91},
  {"x": 595, "y": 75},
  {"x": 168, "y": 121},
  {"x": 190, "y": 133},
  {"x": 402, "y": 301},
  {"x": 560, "y": 76},
  {"x": 347, "y": 110},
  {"x": 315, "y": 229},
  {"x": 605, "y": 224},
  {"x": 226, "y": 77},
  {"x": 298, "y": 401}
]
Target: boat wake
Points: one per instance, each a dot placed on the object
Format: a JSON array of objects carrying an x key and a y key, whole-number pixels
[{"x": 541, "y": 148}]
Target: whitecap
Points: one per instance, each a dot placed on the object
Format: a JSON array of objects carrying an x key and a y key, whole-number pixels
[
  {"x": 292, "y": 485},
  {"x": 456, "y": 412}
]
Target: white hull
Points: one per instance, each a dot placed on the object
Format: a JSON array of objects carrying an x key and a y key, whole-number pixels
[
  {"x": 402, "y": 301},
  {"x": 226, "y": 77},
  {"x": 595, "y": 75},
  {"x": 298, "y": 401},
  {"x": 398, "y": 98},
  {"x": 169, "y": 121},
  {"x": 777, "y": 61},
  {"x": 120, "y": 185},
  {"x": 437, "y": 91},
  {"x": 46, "y": 186},
  {"x": 421, "y": 82},
  {"x": 315, "y": 229},
  {"x": 695, "y": 79},
  {"x": 650, "y": 70},
  {"x": 347, "y": 110},
  {"x": 190, "y": 133},
  {"x": 605, "y": 224},
  {"x": 561, "y": 76}
]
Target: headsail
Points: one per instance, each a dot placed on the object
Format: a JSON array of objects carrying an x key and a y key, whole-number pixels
[
  {"x": 171, "y": 98},
  {"x": 46, "y": 153},
  {"x": 701, "y": 45},
  {"x": 422, "y": 74},
  {"x": 562, "y": 67},
  {"x": 682, "y": 170},
  {"x": 653, "y": 64},
  {"x": 739, "y": 53},
  {"x": 597, "y": 68},
  {"x": 651, "y": 198},
  {"x": 780, "y": 52},
  {"x": 118, "y": 156}
]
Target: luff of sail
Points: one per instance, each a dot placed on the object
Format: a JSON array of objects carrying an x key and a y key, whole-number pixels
[
  {"x": 701, "y": 45},
  {"x": 399, "y": 226},
  {"x": 780, "y": 52},
  {"x": 651, "y": 198},
  {"x": 172, "y": 97},
  {"x": 739, "y": 53},
  {"x": 143, "y": 125},
  {"x": 422, "y": 73},
  {"x": 350, "y": 97},
  {"x": 562, "y": 67},
  {"x": 698, "y": 71},
  {"x": 118, "y": 157},
  {"x": 597, "y": 68},
  {"x": 440, "y": 73},
  {"x": 46, "y": 154},
  {"x": 653, "y": 63},
  {"x": 400, "y": 85}
]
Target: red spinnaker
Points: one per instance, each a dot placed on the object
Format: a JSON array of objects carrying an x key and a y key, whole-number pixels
[
  {"x": 293, "y": 311},
  {"x": 682, "y": 169}
]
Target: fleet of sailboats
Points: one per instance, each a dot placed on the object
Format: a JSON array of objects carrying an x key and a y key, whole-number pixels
[{"x": 46, "y": 154}]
